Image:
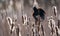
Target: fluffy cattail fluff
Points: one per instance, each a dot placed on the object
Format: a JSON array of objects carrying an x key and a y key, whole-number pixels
[
  {"x": 15, "y": 18},
  {"x": 11, "y": 2},
  {"x": 10, "y": 6},
  {"x": 35, "y": 4}
]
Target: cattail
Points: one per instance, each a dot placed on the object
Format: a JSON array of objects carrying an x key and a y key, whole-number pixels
[
  {"x": 25, "y": 19},
  {"x": 59, "y": 21},
  {"x": 12, "y": 27},
  {"x": 22, "y": 19},
  {"x": 20, "y": 34},
  {"x": 9, "y": 20},
  {"x": 51, "y": 25},
  {"x": 17, "y": 31},
  {"x": 11, "y": 24},
  {"x": 55, "y": 10},
  {"x": 42, "y": 29},
  {"x": 51, "y": 22},
  {"x": 56, "y": 31}
]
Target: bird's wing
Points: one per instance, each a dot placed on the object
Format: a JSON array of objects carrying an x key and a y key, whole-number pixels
[{"x": 41, "y": 13}]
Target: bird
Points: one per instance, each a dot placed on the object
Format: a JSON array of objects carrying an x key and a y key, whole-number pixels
[{"x": 39, "y": 12}]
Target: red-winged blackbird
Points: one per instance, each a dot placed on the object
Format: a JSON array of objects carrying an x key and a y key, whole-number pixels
[{"x": 37, "y": 12}]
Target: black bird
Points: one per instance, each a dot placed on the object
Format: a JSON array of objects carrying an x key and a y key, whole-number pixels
[{"x": 37, "y": 12}]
